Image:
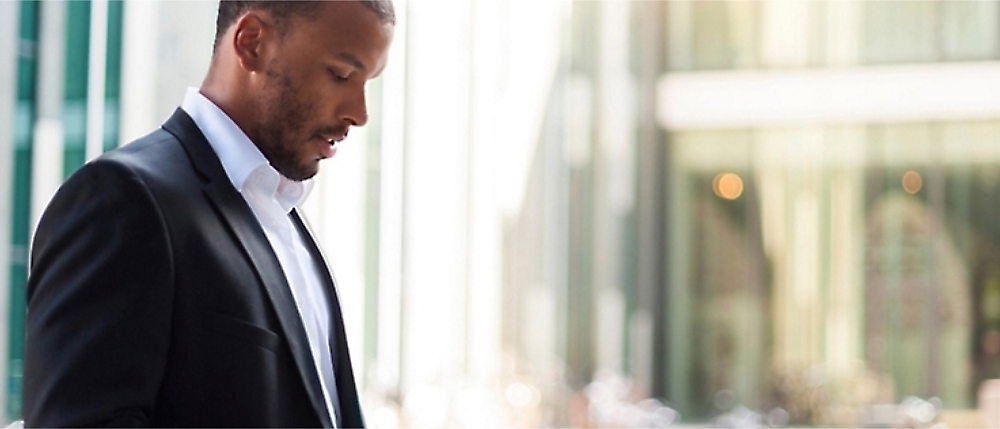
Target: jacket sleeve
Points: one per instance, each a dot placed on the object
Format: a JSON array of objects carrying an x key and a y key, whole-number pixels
[{"x": 99, "y": 299}]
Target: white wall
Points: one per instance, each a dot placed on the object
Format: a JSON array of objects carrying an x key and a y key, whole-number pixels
[{"x": 167, "y": 47}]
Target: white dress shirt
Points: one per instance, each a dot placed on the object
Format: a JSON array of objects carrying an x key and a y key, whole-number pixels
[{"x": 272, "y": 196}]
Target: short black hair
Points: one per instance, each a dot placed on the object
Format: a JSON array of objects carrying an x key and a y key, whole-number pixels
[{"x": 231, "y": 10}]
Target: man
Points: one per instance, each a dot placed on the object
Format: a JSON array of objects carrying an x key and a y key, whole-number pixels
[{"x": 173, "y": 282}]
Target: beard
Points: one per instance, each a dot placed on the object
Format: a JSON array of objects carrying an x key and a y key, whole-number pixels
[{"x": 281, "y": 127}]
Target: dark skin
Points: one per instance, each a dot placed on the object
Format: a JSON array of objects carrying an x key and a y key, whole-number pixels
[{"x": 297, "y": 93}]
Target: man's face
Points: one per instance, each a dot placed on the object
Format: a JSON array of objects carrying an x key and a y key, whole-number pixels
[{"x": 312, "y": 88}]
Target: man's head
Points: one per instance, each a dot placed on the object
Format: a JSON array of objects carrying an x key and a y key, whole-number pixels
[
  {"x": 232, "y": 10},
  {"x": 292, "y": 74}
]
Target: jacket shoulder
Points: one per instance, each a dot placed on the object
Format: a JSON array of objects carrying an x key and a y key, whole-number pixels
[
  {"x": 158, "y": 157},
  {"x": 149, "y": 151}
]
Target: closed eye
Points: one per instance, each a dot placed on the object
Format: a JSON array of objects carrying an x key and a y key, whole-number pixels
[{"x": 340, "y": 77}]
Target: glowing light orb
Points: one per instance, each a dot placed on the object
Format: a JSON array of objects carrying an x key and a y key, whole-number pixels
[
  {"x": 728, "y": 186},
  {"x": 912, "y": 182}
]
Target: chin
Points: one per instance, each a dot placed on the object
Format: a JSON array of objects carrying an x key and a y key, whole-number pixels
[
  {"x": 306, "y": 173},
  {"x": 298, "y": 174}
]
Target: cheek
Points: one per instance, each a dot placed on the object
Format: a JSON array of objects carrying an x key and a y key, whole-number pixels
[
  {"x": 295, "y": 110},
  {"x": 311, "y": 101}
]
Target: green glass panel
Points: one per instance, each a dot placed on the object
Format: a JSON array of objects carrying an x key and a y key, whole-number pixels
[
  {"x": 75, "y": 106},
  {"x": 75, "y": 128},
  {"x": 21, "y": 198},
  {"x": 77, "y": 48},
  {"x": 113, "y": 74},
  {"x": 15, "y": 366},
  {"x": 112, "y": 77}
]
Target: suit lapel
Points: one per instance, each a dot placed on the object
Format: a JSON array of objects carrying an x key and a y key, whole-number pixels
[
  {"x": 350, "y": 406},
  {"x": 244, "y": 226}
]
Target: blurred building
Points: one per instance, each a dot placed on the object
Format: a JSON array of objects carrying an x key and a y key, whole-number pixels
[
  {"x": 861, "y": 248},
  {"x": 788, "y": 204},
  {"x": 558, "y": 205}
]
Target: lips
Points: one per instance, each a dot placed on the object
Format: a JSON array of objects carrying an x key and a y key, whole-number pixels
[
  {"x": 333, "y": 138},
  {"x": 330, "y": 149}
]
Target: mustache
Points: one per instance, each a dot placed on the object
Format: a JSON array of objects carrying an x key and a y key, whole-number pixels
[{"x": 335, "y": 129}]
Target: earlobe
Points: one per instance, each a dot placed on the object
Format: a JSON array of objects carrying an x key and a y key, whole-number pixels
[{"x": 247, "y": 41}]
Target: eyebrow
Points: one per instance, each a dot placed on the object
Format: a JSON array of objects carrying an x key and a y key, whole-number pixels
[{"x": 353, "y": 60}]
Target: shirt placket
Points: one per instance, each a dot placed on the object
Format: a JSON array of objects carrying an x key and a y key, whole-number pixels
[{"x": 307, "y": 302}]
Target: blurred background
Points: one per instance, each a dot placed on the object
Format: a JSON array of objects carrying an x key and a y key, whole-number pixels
[{"x": 604, "y": 213}]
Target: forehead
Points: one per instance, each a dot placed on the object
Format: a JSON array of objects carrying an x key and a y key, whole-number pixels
[{"x": 343, "y": 27}]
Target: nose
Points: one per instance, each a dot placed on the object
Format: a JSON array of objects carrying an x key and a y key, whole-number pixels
[{"x": 355, "y": 109}]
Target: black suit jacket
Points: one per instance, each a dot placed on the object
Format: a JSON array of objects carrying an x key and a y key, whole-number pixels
[{"x": 155, "y": 299}]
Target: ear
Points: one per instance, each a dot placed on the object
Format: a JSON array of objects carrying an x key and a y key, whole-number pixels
[{"x": 248, "y": 40}]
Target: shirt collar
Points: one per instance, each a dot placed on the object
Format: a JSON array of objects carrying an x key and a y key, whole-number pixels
[
  {"x": 267, "y": 182},
  {"x": 239, "y": 156}
]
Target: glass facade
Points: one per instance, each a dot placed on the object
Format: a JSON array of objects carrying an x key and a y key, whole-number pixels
[
  {"x": 830, "y": 265},
  {"x": 760, "y": 34},
  {"x": 852, "y": 252}
]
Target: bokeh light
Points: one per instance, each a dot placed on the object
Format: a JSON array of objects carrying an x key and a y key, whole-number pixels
[
  {"x": 912, "y": 182},
  {"x": 728, "y": 186}
]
